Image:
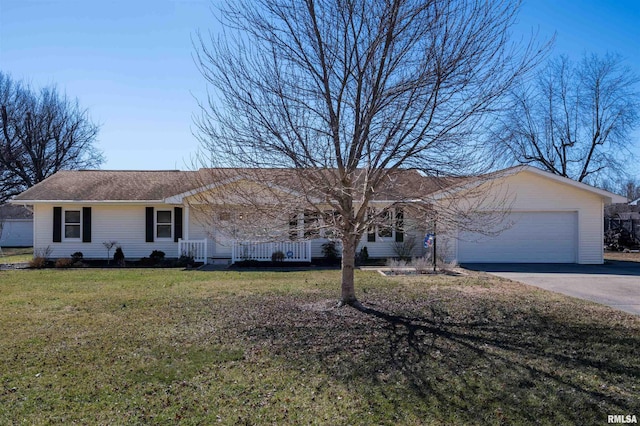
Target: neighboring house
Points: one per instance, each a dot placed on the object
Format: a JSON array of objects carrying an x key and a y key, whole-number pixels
[
  {"x": 548, "y": 218},
  {"x": 16, "y": 226}
]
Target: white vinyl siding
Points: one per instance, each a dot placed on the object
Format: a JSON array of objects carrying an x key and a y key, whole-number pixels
[{"x": 122, "y": 223}]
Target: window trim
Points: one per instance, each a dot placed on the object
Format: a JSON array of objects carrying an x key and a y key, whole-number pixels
[
  {"x": 156, "y": 224},
  {"x": 65, "y": 224}
]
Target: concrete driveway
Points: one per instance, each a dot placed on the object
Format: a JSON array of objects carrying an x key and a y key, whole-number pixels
[{"x": 616, "y": 283}]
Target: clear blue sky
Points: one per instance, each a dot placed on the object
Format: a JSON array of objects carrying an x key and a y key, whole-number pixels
[{"x": 130, "y": 61}]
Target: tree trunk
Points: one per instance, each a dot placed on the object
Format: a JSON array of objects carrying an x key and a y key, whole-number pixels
[{"x": 348, "y": 264}]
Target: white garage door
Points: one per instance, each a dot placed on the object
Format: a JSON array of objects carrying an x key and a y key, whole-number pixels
[{"x": 534, "y": 237}]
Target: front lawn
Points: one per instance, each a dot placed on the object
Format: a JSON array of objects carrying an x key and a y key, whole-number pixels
[{"x": 163, "y": 346}]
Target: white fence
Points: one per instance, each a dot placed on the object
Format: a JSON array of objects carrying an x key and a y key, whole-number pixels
[
  {"x": 294, "y": 251},
  {"x": 193, "y": 248}
]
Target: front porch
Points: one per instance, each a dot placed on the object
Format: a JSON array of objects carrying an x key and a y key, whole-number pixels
[{"x": 289, "y": 251}]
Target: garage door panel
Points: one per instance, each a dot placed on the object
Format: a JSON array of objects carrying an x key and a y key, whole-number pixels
[{"x": 534, "y": 237}]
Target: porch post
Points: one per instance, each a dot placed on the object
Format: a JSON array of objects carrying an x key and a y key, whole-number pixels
[{"x": 185, "y": 227}]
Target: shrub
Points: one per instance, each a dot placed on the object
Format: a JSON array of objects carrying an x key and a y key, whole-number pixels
[
  {"x": 43, "y": 252},
  {"x": 77, "y": 256},
  {"x": 423, "y": 265},
  {"x": 38, "y": 262},
  {"x": 396, "y": 265},
  {"x": 277, "y": 256},
  {"x": 118, "y": 256},
  {"x": 64, "y": 262},
  {"x": 330, "y": 251},
  {"x": 405, "y": 249},
  {"x": 363, "y": 256},
  {"x": 157, "y": 256},
  {"x": 109, "y": 245}
]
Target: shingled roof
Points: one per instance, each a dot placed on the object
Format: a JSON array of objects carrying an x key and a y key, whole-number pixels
[
  {"x": 110, "y": 185},
  {"x": 107, "y": 185}
]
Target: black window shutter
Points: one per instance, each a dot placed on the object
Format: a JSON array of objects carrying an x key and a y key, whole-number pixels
[
  {"x": 57, "y": 224},
  {"x": 86, "y": 224},
  {"x": 149, "y": 225},
  {"x": 177, "y": 223}
]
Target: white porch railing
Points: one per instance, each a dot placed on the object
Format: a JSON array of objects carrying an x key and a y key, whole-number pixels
[
  {"x": 294, "y": 251},
  {"x": 193, "y": 248}
]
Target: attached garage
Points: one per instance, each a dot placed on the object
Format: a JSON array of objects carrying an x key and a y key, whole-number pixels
[
  {"x": 531, "y": 237},
  {"x": 550, "y": 219}
]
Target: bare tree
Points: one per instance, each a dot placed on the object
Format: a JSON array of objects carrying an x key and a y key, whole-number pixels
[
  {"x": 342, "y": 95},
  {"x": 40, "y": 133},
  {"x": 575, "y": 120}
]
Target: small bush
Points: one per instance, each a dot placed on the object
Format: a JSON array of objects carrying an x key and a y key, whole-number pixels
[
  {"x": 118, "y": 256},
  {"x": 64, "y": 262},
  {"x": 38, "y": 262},
  {"x": 423, "y": 265},
  {"x": 330, "y": 250},
  {"x": 157, "y": 256},
  {"x": 396, "y": 265},
  {"x": 277, "y": 256},
  {"x": 363, "y": 256},
  {"x": 405, "y": 249},
  {"x": 43, "y": 252},
  {"x": 77, "y": 256}
]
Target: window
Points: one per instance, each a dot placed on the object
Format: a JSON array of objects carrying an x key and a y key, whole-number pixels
[
  {"x": 390, "y": 225},
  {"x": 293, "y": 227},
  {"x": 72, "y": 224},
  {"x": 311, "y": 224},
  {"x": 385, "y": 229},
  {"x": 163, "y": 224}
]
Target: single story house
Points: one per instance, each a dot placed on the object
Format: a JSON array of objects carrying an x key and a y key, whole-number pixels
[
  {"x": 547, "y": 218},
  {"x": 16, "y": 226}
]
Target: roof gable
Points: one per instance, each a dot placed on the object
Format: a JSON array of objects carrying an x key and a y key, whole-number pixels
[{"x": 472, "y": 183}]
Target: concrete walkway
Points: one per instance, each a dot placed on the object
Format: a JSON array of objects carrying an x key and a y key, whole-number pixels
[{"x": 615, "y": 284}]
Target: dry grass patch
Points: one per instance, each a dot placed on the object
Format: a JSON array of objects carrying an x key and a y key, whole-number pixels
[
  {"x": 618, "y": 255},
  {"x": 166, "y": 346}
]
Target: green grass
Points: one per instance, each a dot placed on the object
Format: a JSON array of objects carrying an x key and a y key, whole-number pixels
[
  {"x": 133, "y": 346},
  {"x": 16, "y": 255}
]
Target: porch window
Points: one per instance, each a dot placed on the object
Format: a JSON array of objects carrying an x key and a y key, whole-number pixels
[
  {"x": 163, "y": 223},
  {"x": 72, "y": 224}
]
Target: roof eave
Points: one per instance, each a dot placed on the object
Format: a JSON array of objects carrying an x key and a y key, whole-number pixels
[{"x": 31, "y": 202}]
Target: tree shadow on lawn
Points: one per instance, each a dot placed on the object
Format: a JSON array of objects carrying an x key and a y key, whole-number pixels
[{"x": 487, "y": 362}]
